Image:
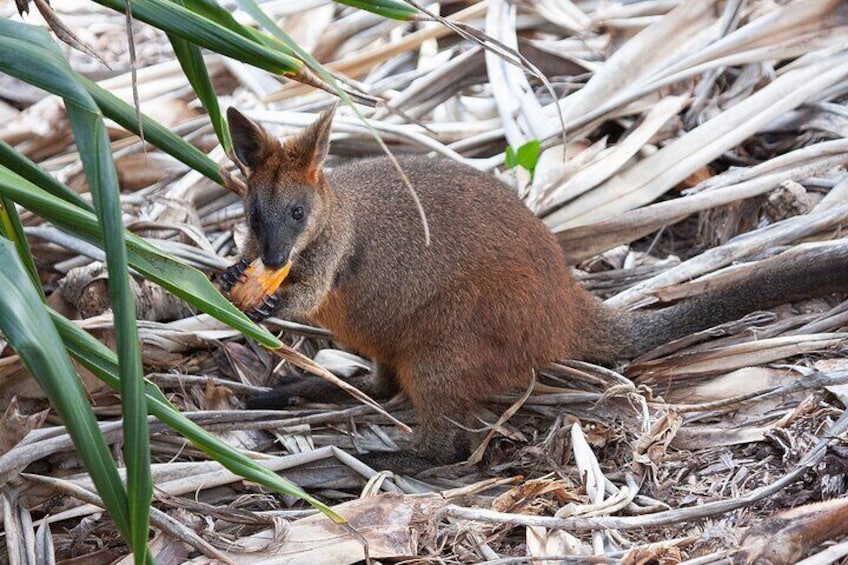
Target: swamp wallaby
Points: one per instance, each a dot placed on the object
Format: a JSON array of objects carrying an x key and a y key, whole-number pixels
[{"x": 469, "y": 316}]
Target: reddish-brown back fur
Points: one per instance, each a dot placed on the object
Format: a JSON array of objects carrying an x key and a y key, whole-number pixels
[{"x": 491, "y": 275}]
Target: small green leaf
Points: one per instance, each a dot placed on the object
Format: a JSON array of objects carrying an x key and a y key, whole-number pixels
[
  {"x": 526, "y": 157},
  {"x": 511, "y": 160},
  {"x": 528, "y": 154}
]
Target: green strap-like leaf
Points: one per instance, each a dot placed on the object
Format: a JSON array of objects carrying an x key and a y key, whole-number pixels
[
  {"x": 124, "y": 114},
  {"x": 28, "y": 52},
  {"x": 213, "y": 11},
  {"x": 20, "y": 164},
  {"x": 13, "y": 230},
  {"x": 386, "y": 8},
  {"x": 115, "y": 109},
  {"x": 96, "y": 156},
  {"x": 101, "y": 361},
  {"x": 179, "y": 21},
  {"x": 191, "y": 61},
  {"x": 30, "y": 331}
]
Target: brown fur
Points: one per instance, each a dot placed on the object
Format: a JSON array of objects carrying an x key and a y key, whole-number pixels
[{"x": 467, "y": 317}]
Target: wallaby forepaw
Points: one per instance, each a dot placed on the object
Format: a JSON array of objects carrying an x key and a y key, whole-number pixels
[
  {"x": 233, "y": 274},
  {"x": 265, "y": 310},
  {"x": 237, "y": 274}
]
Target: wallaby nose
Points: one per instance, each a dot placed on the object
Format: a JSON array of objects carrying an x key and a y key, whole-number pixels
[
  {"x": 274, "y": 261},
  {"x": 275, "y": 251}
]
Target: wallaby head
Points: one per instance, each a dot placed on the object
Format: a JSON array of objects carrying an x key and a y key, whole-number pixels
[{"x": 287, "y": 198}]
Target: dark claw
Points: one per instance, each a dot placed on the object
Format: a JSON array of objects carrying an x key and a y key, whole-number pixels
[
  {"x": 258, "y": 315},
  {"x": 264, "y": 310},
  {"x": 227, "y": 281},
  {"x": 233, "y": 274},
  {"x": 261, "y": 313}
]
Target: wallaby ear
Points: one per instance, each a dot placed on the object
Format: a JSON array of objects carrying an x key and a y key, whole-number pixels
[
  {"x": 314, "y": 142},
  {"x": 251, "y": 143}
]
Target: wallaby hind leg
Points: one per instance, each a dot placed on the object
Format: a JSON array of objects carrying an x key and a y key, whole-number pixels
[
  {"x": 439, "y": 440},
  {"x": 445, "y": 411},
  {"x": 447, "y": 403},
  {"x": 293, "y": 391},
  {"x": 445, "y": 433},
  {"x": 445, "y": 416}
]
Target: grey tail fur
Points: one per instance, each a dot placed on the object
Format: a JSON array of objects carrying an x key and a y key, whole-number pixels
[{"x": 811, "y": 270}]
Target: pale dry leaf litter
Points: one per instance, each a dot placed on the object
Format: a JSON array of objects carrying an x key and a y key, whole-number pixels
[{"x": 700, "y": 138}]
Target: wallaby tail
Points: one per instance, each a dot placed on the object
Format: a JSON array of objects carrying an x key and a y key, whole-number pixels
[{"x": 806, "y": 271}]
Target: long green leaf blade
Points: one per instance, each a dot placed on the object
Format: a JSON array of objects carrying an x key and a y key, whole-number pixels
[
  {"x": 20, "y": 164},
  {"x": 23, "y": 55},
  {"x": 386, "y": 8},
  {"x": 213, "y": 11},
  {"x": 95, "y": 152},
  {"x": 191, "y": 61},
  {"x": 13, "y": 230},
  {"x": 28, "y": 328},
  {"x": 194, "y": 68},
  {"x": 124, "y": 114},
  {"x": 179, "y": 21},
  {"x": 101, "y": 361}
]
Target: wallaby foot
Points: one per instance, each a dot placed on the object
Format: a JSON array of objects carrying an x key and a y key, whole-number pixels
[
  {"x": 443, "y": 435},
  {"x": 435, "y": 445},
  {"x": 295, "y": 390}
]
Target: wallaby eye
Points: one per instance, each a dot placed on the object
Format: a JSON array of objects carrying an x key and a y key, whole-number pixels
[{"x": 297, "y": 212}]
